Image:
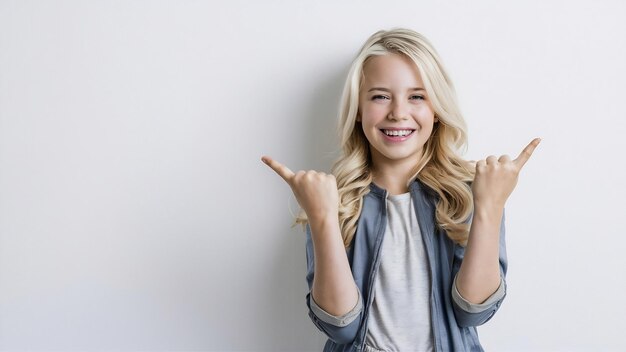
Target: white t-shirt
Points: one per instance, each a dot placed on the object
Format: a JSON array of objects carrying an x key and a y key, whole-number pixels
[{"x": 400, "y": 312}]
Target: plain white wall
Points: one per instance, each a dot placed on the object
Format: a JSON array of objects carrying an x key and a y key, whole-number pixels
[{"x": 135, "y": 213}]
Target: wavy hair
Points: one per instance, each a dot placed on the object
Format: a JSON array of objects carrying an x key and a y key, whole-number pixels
[{"x": 440, "y": 167}]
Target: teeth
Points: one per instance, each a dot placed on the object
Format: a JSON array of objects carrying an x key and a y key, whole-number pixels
[{"x": 399, "y": 133}]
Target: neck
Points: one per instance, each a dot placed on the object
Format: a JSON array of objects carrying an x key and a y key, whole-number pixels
[{"x": 394, "y": 178}]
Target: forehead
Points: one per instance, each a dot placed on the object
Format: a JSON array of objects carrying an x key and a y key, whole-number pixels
[{"x": 391, "y": 69}]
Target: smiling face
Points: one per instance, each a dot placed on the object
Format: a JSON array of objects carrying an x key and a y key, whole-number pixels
[{"x": 395, "y": 113}]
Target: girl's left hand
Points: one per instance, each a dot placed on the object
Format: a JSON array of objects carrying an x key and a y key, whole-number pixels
[{"x": 495, "y": 179}]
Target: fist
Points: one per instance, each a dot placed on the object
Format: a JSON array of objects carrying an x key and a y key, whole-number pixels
[
  {"x": 316, "y": 192},
  {"x": 496, "y": 178}
]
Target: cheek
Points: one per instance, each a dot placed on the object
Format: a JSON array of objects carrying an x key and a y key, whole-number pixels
[
  {"x": 425, "y": 114},
  {"x": 368, "y": 117},
  {"x": 372, "y": 115},
  {"x": 367, "y": 127},
  {"x": 424, "y": 109}
]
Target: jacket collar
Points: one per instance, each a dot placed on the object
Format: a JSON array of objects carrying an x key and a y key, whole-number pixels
[{"x": 415, "y": 186}]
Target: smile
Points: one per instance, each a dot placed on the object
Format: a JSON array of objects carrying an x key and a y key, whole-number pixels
[{"x": 397, "y": 133}]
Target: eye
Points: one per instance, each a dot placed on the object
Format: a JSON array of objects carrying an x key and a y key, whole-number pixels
[
  {"x": 379, "y": 97},
  {"x": 417, "y": 97}
]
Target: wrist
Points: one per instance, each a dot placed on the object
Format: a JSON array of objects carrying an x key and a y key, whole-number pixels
[
  {"x": 324, "y": 221},
  {"x": 488, "y": 211}
]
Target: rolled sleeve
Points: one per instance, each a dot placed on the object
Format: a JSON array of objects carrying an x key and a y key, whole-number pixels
[
  {"x": 470, "y": 307},
  {"x": 340, "y": 321}
]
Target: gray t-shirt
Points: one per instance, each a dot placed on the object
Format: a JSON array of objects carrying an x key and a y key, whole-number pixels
[{"x": 400, "y": 311}]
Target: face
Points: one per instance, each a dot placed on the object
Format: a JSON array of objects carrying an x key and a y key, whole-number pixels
[{"x": 394, "y": 110}]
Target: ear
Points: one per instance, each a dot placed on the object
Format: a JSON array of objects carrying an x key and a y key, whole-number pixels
[{"x": 358, "y": 117}]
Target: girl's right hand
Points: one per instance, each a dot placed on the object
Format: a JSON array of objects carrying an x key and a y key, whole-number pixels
[{"x": 316, "y": 192}]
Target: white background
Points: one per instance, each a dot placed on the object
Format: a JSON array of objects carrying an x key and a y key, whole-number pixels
[{"x": 135, "y": 213}]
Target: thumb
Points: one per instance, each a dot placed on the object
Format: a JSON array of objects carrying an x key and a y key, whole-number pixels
[{"x": 282, "y": 170}]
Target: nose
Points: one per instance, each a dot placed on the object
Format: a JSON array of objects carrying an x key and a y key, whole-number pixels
[{"x": 399, "y": 111}]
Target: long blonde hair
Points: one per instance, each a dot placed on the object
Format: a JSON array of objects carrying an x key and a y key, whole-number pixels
[{"x": 440, "y": 166}]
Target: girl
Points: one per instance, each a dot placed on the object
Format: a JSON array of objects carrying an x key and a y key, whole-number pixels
[{"x": 405, "y": 239}]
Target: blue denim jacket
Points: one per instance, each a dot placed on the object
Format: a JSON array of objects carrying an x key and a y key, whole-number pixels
[{"x": 453, "y": 323}]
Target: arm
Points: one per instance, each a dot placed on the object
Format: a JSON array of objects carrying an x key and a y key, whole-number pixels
[
  {"x": 333, "y": 288},
  {"x": 477, "y": 313},
  {"x": 334, "y": 300},
  {"x": 481, "y": 274},
  {"x": 342, "y": 326}
]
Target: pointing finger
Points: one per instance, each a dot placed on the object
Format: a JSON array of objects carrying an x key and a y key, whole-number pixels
[
  {"x": 282, "y": 170},
  {"x": 527, "y": 153}
]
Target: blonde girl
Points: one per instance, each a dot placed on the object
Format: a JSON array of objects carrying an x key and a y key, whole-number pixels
[{"x": 405, "y": 239}]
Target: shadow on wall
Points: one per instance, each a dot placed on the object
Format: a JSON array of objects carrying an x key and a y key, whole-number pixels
[
  {"x": 290, "y": 327},
  {"x": 321, "y": 144}
]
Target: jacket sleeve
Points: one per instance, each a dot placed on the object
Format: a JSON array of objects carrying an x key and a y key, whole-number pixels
[
  {"x": 469, "y": 314},
  {"x": 340, "y": 329}
]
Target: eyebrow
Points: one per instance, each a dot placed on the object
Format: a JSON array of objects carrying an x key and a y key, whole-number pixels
[{"x": 388, "y": 90}]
